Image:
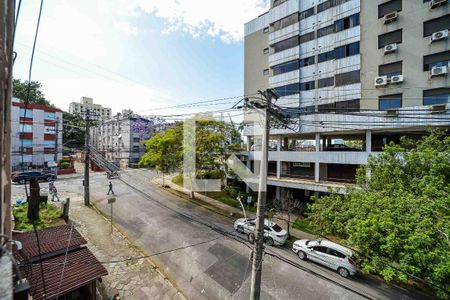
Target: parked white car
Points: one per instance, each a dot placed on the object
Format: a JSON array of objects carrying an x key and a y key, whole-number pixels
[
  {"x": 273, "y": 233},
  {"x": 329, "y": 254}
]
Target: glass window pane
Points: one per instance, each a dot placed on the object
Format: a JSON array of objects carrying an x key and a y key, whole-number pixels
[
  {"x": 49, "y": 144},
  {"x": 49, "y": 115},
  {"x": 390, "y": 102},
  {"x": 29, "y": 113}
]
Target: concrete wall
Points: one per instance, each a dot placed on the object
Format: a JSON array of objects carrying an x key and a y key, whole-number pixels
[
  {"x": 411, "y": 51},
  {"x": 255, "y": 62}
]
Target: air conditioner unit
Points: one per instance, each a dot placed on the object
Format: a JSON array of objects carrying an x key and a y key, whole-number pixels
[
  {"x": 437, "y": 3},
  {"x": 390, "y": 48},
  {"x": 396, "y": 79},
  {"x": 438, "y": 71},
  {"x": 440, "y": 35},
  {"x": 390, "y": 17},
  {"x": 391, "y": 113},
  {"x": 439, "y": 108},
  {"x": 381, "y": 81}
]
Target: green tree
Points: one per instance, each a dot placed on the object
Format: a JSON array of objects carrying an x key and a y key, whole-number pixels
[
  {"x": 398, "y": 217},
  {"x": 36, "y": 96},
  {"x": 215, "y": 140},
  {"x": 73, "y": 130}
]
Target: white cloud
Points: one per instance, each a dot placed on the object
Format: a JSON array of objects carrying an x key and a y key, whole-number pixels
[
  {"x": 126, "y": 28},
  {"x": 215, "y": 18}
]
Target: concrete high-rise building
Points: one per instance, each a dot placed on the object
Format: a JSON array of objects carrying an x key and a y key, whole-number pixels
[
  {"x": 98, "y": 112},
  {"x": 352, "y": 75}
]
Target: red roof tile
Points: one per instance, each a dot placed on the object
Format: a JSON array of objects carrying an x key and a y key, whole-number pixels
[
  {"x": 80, "y": 269},
  {"x": 52, "y": 240}
]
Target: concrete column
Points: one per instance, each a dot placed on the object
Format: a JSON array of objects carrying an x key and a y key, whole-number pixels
[
  {"x": 278, "y": 193},
  {"x": 317, "y": 141},
  {"x": 278, "y": 169},
  {"x": 316, "y": 172},
  {"x": 279, "y": 139},
  {"x": 368, "y": 141}
]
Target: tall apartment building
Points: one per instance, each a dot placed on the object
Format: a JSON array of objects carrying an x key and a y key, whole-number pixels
[
  {"x": 353, "y": 75},
  {"x": 36, "y": 131},
  {"x": 122, "y": 139},
  {"x": 99, "y": 113}
]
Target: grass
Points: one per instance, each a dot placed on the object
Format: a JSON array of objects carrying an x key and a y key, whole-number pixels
[
  {"x": 303, "y": 225},
  {"x": 222, "y": 196},
  {"x": 49, "y": 215}
]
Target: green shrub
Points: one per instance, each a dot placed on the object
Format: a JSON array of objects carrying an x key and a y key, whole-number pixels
[
  {"x": 48, "y": 214},
  {"x": 64, "y": 165}
]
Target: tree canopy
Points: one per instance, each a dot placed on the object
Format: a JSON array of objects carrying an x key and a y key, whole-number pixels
[
  {"x": 215, "y": 140},
  {"x": 398, "y": 217},
  {"x": 74, "y": 130},
  {"x": 20, "y": 90}
]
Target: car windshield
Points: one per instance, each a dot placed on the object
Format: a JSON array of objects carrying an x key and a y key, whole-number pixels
[
  {"x": 277, "y": 228},
  {"x": 306, "y": 243}
]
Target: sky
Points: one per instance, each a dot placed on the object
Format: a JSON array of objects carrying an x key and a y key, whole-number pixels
[{"x": 136, "y": 54}]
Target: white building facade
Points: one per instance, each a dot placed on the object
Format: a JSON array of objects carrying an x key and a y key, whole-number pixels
[
  {"x": 36, "y": 136},
  {"x": 97, "y": 112},
  {"x": 322, "y": 57},
  {"x": 122, "y": 139}
]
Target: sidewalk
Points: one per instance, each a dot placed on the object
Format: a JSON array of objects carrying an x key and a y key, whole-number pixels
[
  {"x": 222, "y": 208},
  {"x": 131, "y": 279}
]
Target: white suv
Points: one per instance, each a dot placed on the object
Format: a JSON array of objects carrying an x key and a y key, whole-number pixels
[
  {"x": 329, "y": 254},
  {"x": 273, "y": 234}
]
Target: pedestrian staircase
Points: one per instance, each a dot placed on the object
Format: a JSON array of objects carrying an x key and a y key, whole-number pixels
[{"x": 97, "y": 158}]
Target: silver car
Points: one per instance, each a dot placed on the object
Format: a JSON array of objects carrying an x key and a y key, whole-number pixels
[
  {"x": 327, "y": 253},
  {"x": 273, "y": 234}
]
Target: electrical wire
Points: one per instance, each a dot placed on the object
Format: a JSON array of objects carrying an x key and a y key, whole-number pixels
[{"x": 40, "y": 257}]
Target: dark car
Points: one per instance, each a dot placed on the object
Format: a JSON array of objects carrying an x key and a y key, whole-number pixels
[{"x": 26, "y": 177}]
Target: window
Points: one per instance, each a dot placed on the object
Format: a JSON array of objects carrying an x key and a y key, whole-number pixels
[
  {"x": 49, "y": 144},
  {"x": 340, "y": 52},
  {"x": 307, "y": 37},
  {"x": 266, "y": 72},
  {"x": 436, "y": 25},
  {"x": 26, "y": 143},
  {"x": 285, "y": 22},
  {"x": 266, "y": 51},
  {"x": 347, "y": 50},
  {"x": 324, "y": 82},
  {"x": 326, "y": 56},
  {"x": 306, "y": 13},
  {"x": 325, "y": 31},
  {"x": 320, "y": 249},
  {"x": 307, "y": 61},
  {"x": 335, "y": 253},
  {"x": 287, "y": 90},
  {"x": 346, "y": 23},
  {"x": 390, "y": 69},
  {"x": 324, "y": 6},
  {"x": 26, "y": 128},
  {"x": 286, "y": 44},
  {"x": 436, "y": 96},
  {"x": 347, "y": 78},
  {"x": 286, "y": 67},
  {"x": 306, "y": 86},
  {"x": 393, "y": 37},
  {"x": 266, "y": 30},
  {"x": 49, "y": 115},
  {"x": 390, "y": 102},
  {"x": 341, "y": 106},
  {"x": 436, "y": 60},
  {"x": 278, "y": 2},
  {"x": 389, "y": 7},
  {"x": 29, "y": 113}
]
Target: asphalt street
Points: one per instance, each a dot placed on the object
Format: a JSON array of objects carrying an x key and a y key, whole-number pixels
[{"x": 199, "y": 250}]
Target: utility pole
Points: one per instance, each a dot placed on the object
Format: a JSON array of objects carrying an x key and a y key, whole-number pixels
[
  {"x": 255, "y": 288},
  {"x": 86, "y": 159}
]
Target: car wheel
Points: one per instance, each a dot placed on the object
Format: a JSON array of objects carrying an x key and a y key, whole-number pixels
[
  {"x": 251, "y": 238},
  {"x": 343, "y": 272},
  {"x": 47, "y": 179},
  {"x": 269, "y": 241},
  {"x": 301, "y": 255},
  {"x": 240, "y": 229}
]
